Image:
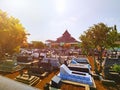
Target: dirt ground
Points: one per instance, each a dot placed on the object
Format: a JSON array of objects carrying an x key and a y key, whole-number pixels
[
  {"x": 98, "y": 83},
  {"x": 42, "y": 83}
]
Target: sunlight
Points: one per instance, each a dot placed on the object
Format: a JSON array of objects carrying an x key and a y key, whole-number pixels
[
  {"x": 17, "y": 4},
  {"x": 60, "y": 6}
]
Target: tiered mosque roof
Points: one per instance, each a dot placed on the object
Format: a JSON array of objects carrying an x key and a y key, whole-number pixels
[{"x": 65, "y": 38}]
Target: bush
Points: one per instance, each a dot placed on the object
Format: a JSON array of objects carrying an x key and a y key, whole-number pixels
[{"x": 116, "y": 68}]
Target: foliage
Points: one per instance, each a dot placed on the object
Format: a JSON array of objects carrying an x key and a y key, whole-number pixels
[
  {"x": 12, "y": 34},
  {"x": 99, "y": 37},
  {"x": 116, "y": 68},
  {"x": 86, "y": 42},
  {"x": 38, "y": 44},
  {"x": 118, "y": 36},
  {"x": 113, "y": 37}
]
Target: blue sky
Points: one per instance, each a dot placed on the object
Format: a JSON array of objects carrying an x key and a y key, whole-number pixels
[{"x": 48, "y": 19}]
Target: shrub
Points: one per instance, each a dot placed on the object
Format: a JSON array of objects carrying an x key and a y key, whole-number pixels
[{"x": 116, "y": 68}]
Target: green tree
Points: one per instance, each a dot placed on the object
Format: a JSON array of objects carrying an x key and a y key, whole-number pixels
[
  {"x": 116, "y": 68},
  {"x": 12, "y": 34},
  {"x": 88, "y": 46},
  {"x": 38, "y": 44},
  {"x": 85, "y": 44},
  {"x": 99, "y": 37},
  {"x": 111, "y": 40}
]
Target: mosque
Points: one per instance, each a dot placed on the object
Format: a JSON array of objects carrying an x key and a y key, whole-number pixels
[{"x": 66, "y": 40}]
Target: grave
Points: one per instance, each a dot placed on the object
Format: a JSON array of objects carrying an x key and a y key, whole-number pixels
[
  {"x": 56, "y": 82},
  {"x": 27, "y": 78},
  {"x": 24, "y": 58},
  {"x": 9, "y": 65}
]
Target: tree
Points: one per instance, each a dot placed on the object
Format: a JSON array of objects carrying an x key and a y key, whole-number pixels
[
  {"x": 12, "y": 34},
  {"x": 88, "y": 46},
  {"x": 99, "y": 37},
  {"x": 38, "y": 44},
  {"x": 114, "y": 34},
  {"x": 85, "y": 44}
]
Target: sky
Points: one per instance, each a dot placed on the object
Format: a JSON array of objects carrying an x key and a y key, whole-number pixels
[{"x": 48, "y": 19}]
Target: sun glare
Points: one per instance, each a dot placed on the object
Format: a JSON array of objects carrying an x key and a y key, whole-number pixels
[
  {"x": 60, "y": 6},
  {"x": 17, "y": 4}
]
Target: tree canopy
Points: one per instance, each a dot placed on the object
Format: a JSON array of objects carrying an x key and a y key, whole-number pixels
[
  {"x": 12, "y": 34},
  {"x": 38, "y": 44},
  {"x": 116, "y": 68},
  {"x": 99, "y": 37}
]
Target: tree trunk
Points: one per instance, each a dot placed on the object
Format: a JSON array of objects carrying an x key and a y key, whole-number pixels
[
  {"x": 101, "y": 59},
  {"x": 95, "y": 64}
]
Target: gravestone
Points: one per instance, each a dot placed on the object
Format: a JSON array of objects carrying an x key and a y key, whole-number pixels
[
  {"x": 27, "y": 78},
  {"x": 9, "y": 65}
]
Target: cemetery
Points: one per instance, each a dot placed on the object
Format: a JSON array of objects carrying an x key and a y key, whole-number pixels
[{"x": 62, "y": 68}]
